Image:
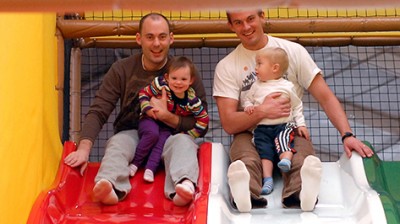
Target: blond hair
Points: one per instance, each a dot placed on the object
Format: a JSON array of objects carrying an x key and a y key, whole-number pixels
[{"x": 276, "y": 55}]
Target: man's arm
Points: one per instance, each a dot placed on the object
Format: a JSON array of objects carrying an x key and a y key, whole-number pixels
[
  {"x": 104, "y": 103},
  {"x": 333, "y": 109},
  {"x": 170, "y": 119},
  {"x": 234, "y": 121}
]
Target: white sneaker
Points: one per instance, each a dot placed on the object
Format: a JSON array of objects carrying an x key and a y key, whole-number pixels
[
  {"x": 132, "y": 170},
  {"x": 239, "y": 183},
  {"x": 310, "y": 182},
  {"x": 148, "y": 176}
]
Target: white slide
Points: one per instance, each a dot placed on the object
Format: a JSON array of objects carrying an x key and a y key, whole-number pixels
[{"x": 345, "y": 196}]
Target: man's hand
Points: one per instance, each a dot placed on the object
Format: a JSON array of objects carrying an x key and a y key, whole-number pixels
[
  {"x": 353, "y": 144},
  {"x": 160, "y": 106},
  {"x": 161, "y": 111},
  {"x": 275, "y": 106},
  {"x": 79, "y": 157},
  {"x": 152, "y": 113}
]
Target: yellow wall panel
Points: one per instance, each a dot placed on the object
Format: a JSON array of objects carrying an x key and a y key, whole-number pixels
[{"x": 30, "y": 147}]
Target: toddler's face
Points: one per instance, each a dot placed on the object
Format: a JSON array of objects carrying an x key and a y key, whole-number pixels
[
  {"x": 179, "y": 81},
  {"x": 264, "y": 69}
]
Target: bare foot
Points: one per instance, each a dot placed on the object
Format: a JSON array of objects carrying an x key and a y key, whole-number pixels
[{"x": 103, "y": 192}]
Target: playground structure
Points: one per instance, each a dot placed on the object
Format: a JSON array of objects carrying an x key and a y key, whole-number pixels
[
  {"x": 345, "y": 197},
  {"x": 81, "y": 39}
]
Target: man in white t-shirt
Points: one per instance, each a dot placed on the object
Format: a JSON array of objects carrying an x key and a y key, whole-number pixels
[{"x": 234, "y": 76}]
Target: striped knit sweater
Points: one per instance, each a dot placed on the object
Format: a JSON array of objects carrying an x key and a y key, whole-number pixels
[{"x": 189, "y": 105}]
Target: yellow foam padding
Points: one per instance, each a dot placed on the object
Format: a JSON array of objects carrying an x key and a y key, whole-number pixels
[
  {"x": 273, "y": 12},
  {"x": 79, "y": 5},
  {"x": 30, "y": 146}
]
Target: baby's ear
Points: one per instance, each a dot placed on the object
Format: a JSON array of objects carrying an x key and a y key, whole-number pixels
[
  {"x": 192, "y": 79},
  {"x": 276, "y": 66}
]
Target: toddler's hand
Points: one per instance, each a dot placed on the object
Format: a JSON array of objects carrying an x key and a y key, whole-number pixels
[
  {"x": 249, "y": 109},
  {"x": 303, "y": 132}
]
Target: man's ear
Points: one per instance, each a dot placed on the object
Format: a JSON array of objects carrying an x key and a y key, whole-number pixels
[
  {"x": 171, "y": 41},
  {"x": 230, "y": 26},
  {"x": 262, "y": 15},
  {"x": 138, "y": 38}
]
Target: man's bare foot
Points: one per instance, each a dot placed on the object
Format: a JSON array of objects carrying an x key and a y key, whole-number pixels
[{"x": 103, "y": 192}]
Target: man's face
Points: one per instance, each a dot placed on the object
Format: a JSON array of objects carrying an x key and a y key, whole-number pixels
[
  {"x": 248, "y": 26},
  {"x": 155, "y": 40}
]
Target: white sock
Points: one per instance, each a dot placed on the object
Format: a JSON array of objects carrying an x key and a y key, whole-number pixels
[
  {"x": 132, "y": 169},
  {"x": 103, "y": 191},
  {"x": 310, "y": 182},
  {"x": 148, "y": 176},
  {"x": 239, "y": 183}
]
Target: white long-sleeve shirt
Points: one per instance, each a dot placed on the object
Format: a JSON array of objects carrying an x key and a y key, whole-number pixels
[{"x": 259, "y": 90}]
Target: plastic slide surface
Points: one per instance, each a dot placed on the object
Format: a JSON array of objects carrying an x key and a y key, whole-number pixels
[
  {"x": 384, "y": 177},
  {"x": 69, "y": 198},
  {"x": 346, "y": 196}
]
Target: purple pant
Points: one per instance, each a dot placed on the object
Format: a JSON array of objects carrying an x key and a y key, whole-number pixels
[{"x": 152, "y": 137}]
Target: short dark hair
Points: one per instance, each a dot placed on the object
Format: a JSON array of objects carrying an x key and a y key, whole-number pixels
[
  {"x": 259, "y": 12},
  {"x": 178, "y": 62},
  {"x": 153, "y": 16}
]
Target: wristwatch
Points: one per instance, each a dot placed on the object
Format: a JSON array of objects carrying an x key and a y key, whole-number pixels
[{"x": 346, "y": 135}]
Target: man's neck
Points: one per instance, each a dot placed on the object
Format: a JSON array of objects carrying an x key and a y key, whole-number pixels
[
  {"x": 153, "y": 67},
  {"x": 260, "y": 45}
]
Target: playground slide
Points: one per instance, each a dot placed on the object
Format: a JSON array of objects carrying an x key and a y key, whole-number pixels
[
  {"x": 384, "y": 178},
  {"x": 69, "y": 198},
  {"x": 345, "y": 197}
]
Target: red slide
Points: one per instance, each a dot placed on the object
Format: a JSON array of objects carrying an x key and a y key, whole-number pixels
[{"x": 68, "y": 200}]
